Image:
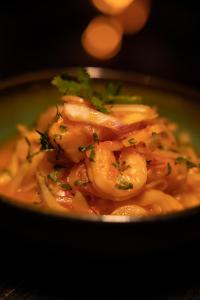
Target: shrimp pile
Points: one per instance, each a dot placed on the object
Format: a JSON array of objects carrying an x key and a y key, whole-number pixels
[{"x": 83, "y": 161}]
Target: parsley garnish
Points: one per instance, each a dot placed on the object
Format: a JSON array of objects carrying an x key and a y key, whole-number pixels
[
  {"x": 169, "y": 169},
  {"x": 95, "y": 137},
  {"x": 189, "y": 164},
  {"x": 121, "y": 166},
  {"x": 82, "y": 86},
  {"x": 58, "y": 114},
  {"x": 30, "y": 155},
  {"x": 80, "y": 182},
  {"x": 113, "y": 88},
  {"x": 63, "y": 128},
  {"x": 98, "y": 103},
  {"x": 85, "y": 148},
  {"x": 132, "y": 141},
  {"x": 66, "y": 186},
  {"x": 92, "y": 155},
  {"x": 53, "y": 176},
  {"x": 44, "y": 141},
  {"x": 116, "y": 165},
  {"x": 92, "y": 152},
  {"x": 124, "y": 185}
]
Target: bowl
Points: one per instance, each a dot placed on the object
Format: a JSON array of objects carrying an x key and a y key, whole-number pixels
[{"x": 22, "y": 99}]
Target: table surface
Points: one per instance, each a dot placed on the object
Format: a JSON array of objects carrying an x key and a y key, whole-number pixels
[{"x": 46, "y": 276}]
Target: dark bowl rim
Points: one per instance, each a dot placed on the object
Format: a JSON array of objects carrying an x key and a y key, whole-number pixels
[{"x": 103, "y": 74}]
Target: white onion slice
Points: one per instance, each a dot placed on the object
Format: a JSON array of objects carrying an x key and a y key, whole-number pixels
[{"x": 91, "y": 116}]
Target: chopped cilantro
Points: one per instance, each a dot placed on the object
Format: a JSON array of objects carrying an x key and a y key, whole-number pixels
[
  {"x": 44, "y": 141},
  {"x": 110, "y": 99},
  {"x": 124, "y": 185},
  {"x": 80, "y": 182},
  {"x": 116, "y": 165},
  {"x": 85, "y": 148},
  {"x": 169, "y": 169},
  {"x": 132, "y": 141},
  {"x": 83, "y": 76},
  {"x": 189, "y": 164},
  {"x": 121, "y": 166},
  {"x": 95, "y": 137},
  {"x": 92, "y": 155},
  {"x": 58, "y": 114},
  {"x": 63, "y": 128},
  {"x": 98, "y": 103},
  {"x": 66, "y": 186},
  {"x": 113, "y": 88},
  {"x": 29, "y": 154},
  {"x": 82, "y": 86},
  {"x": 53, "y": 176}
]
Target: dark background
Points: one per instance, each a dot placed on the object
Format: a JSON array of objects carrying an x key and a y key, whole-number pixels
[{"x": 47, "y": 35}]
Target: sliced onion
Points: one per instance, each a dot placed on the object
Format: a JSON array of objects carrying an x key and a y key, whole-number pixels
[{"x": 91, "y": 116}]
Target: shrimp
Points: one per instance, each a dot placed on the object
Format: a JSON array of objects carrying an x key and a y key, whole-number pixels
[
  {"x": 159, "y": 202},
  {"x": 116, "y": 180},
  {"x": 130, "y": 210},
  {"x": 68, "y": 137}
]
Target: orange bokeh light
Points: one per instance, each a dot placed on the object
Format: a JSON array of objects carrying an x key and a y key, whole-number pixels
[
  {"x": 111, "y": 7},
  {"x": 102, "y": 37},
  {"x": 135, "y": 16}
]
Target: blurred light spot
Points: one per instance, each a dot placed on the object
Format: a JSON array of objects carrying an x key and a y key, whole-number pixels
[
  {"x": 102, "y": 37},
  {"x": 134, "y": 17},
  {"x": 111, "y": 7}
]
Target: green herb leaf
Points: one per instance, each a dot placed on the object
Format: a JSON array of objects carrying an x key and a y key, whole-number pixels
[
  {"x": 99, "y": 104},
  {"x": 124, "y": 185},
  {"x": 169, "y": 169},
  {"x": 182, "y": 160},
  {"x": 113, "y": 88},
  {"x": 63, "y": 128},
  {"x": 85, "y": 148},
  {"x": 82, "y": 87},
  {"x": 122, "y": 99},
  {"x": 66, "y": 186},
  {"x": 44, "y": 141},
  {"x": 58, "y": 114},
  {"x": 53, "y": 176},
  {"x": 132, "y": 141},
  {"x": 92, "y": 155},
  {"x": 30, "y": 155},
  {"x": 79, "y": 182},
  {"x": 95, "y": 137},
  {"x": 116, "y": 165},
  {"x": 83, "y": 76}
]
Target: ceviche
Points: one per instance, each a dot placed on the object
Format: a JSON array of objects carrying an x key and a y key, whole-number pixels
[{"x": 100, "y": 152}]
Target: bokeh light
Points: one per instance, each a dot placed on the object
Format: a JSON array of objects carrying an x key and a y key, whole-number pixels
[
  {"x": 102, "y": 37},
  {"x": 135, "y": 16},
  {"x": 111, "y": 7}
]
